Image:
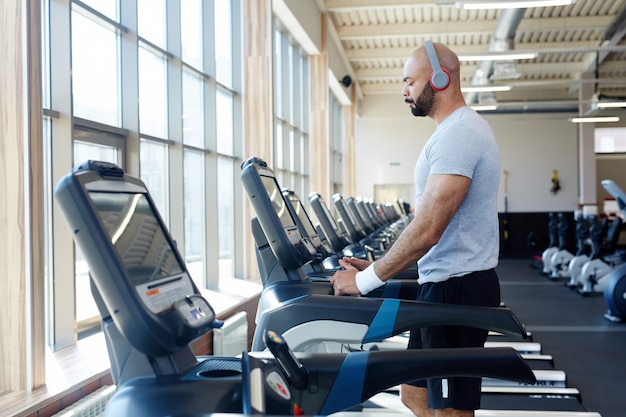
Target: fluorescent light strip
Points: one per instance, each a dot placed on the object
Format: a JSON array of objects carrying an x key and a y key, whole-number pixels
[
  {"x": 611, "y": 104},
  {"x": 594, "y": 119},
  {"x": 498, "y": 57},
  {"x": 485, "y": 88},
  {"x": 483, "y": 5}
]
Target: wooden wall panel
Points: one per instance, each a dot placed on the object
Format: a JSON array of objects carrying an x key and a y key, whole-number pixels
[
  {"x": 320, "y": 154},
  {"x": 21, "y": 202},
  {"x": 257, "y": 102},
  {"x": 349, "y": 150}
]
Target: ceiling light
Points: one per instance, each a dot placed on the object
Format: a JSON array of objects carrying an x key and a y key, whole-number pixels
[
  {"x": 485, "y": 88},
  {"x": 607, "y": 119},
  {"x": 513, "y": 4},
  {"x": 610, "y": 104},
  {"x": 498, "y": 56}
]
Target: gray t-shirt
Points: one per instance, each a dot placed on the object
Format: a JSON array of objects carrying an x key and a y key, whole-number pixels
[{"x": 463, "y": 144}]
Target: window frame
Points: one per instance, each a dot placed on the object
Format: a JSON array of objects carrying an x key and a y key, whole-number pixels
[{"x": 60, "y": 127}]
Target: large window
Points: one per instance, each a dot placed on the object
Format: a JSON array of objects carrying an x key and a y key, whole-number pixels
[
  {"x": 153, "y": 86},
  {"x": 610, "y": 139},
  {"x": 291, "y": 110}
]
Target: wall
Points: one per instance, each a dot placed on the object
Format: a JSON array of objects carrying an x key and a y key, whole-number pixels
[
  {"x": 389, "y": 139},
  {"x": 610, "y": 167}
]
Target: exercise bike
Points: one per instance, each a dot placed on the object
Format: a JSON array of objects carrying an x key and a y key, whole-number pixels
[
  {"x": 552, "y": 248},
  {"x": 593, "y": 272},
  {"x": 615, "y": 287},
  {"x": 577, "y": 262},
  {"x": 559, "y": 261}
]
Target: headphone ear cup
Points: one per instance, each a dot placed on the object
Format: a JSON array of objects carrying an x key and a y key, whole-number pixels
[{"x": 440, "y": 80}]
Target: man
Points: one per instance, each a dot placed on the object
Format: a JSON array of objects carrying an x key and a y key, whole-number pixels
[{"x": 454, "y": 236}]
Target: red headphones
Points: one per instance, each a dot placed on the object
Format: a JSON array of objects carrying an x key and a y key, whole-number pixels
[{"x": 439, "y": 78}]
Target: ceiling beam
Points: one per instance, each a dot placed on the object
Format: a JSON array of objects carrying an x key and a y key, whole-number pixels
[
  {"x": 368, "y": 54},
  {"x": 355, "y": 5},
  {"x": 528, "y": 69},
  {"x": 373, "y": 31}
]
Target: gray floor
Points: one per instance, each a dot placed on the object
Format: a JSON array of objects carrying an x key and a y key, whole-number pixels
[{"x": 571, "y": 328}]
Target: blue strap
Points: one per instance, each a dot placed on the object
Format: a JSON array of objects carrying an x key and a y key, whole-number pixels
[
  {"x": 348, "y": 386},
  {"x": 382, "y": 325}
]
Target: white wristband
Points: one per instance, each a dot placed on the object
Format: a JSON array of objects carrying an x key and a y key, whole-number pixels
[{"x": 367, "y": 280}]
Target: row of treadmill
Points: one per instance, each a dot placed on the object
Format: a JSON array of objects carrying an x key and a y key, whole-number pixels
[{"x": 312, "y": 353}]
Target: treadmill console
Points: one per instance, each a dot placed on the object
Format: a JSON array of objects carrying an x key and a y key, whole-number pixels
[
  {"x": 133, "y": 261},
  {"x": 327, "y": 222},
  {"x": 301, "y": 216},
  {"x": 289, "y": 246},
  {"x": 354, "y": 230}
]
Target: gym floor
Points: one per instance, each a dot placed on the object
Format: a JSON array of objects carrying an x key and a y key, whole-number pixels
[{"x": 572, "y": 328}]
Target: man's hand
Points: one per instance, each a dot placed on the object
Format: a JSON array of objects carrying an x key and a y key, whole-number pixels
[
  {"x": 344, "y": 282},
  {"x": 358, "y": 263}
]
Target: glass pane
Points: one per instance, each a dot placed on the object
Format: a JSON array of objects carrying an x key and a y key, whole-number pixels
[
  {"x": 154, "y": 172},
  {"x": 191, "y": 32},
  {"x": 151, "y": 21},
  {"x": 292, "y": 151},
  {"x": 194, "y": 215},
  {"x": 152, "y": 94},
  {"x": 223, "y": 42},
  {"x": 193, "y": 110},
  {"x": 610, "y": 139},
  {"x": 224, "y": 123},
  {"x": 226, "y": 216},
  {"x": 106, "y": 7},
  {"x": 278, "y": 74},
  {"x": 278, "y": 141},
  {"x": 95, "y": 77},
  {"x": 45, "y": 56},
  {"x": 290, "y": 83},
  {"x": 84, "y": 151},
  {"x": 85, "y": 305}
]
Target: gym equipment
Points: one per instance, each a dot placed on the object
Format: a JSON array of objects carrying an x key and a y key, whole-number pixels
[
  {"x": 355, "y": 228},
  {"x": 581, "y": 258},
  {"x": 157, "y": 310},
  {"x": 560, "y": 260},
  {"x": 593, "y": 272},
  {"x": 301, "y": 306},
  {"x": 337, "y": 238},
  {"x": 552, "y": 248},
  {"x": 615, "y": 294},
  {"x": 615, "y": 286},
  {"x": 325, "y": 253}
]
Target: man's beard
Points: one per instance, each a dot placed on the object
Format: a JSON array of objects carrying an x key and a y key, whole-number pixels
[{"x": 424, "y": 103}]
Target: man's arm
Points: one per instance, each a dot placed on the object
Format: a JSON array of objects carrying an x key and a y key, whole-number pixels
[{"x": 441, "y": 200}]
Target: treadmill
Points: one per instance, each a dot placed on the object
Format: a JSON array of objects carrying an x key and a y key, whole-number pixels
[
  {"x": 156, "y": 310},
  {"x": 300, "y": 306},
  {"x": 325, "y": 255},
  {"x": 309, "y": 321}
]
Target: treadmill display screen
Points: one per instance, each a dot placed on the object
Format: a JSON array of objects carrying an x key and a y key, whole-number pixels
[
  {"x": 330, "y": 216},
  {"x": 303, "y": 216},
  {"x": 276, "y": 197},
  {"x": 137, "y": 236}
]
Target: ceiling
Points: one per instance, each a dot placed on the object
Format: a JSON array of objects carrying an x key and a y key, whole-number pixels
[{"x": 378, "y": 36}]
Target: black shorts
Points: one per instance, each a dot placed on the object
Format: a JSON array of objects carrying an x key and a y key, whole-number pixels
[{"x": 478, "y": 288}]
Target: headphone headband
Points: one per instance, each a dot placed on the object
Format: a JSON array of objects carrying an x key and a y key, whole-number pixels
[{"x": 439, "y": 78}]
